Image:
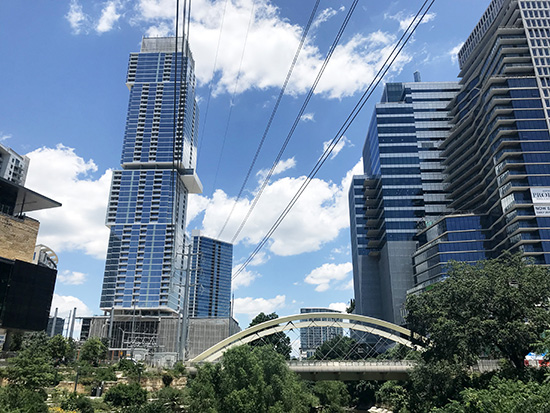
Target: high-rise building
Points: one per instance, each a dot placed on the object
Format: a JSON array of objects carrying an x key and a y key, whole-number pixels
[
  {"x": 496, "y": 157},
  {"x": 13, "y": 166},
  {"x": 148, "y": 198},
  {"x": 402, "y": 187},
  {"x": 498, "y": 152},
  {"x": 143, "y": 285},
  {"x": 312, "y": 337},
  {"x": 210, "y": 287}
]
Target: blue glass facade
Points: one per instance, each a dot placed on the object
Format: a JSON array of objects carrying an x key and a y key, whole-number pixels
[
  {"x": 402, "y": 185},
  {"x": 148, "y": 198},
  {"x": 498, "y": 154},
  {"x": 450, "y": 238},
  {"x": 212, "y": 264}
]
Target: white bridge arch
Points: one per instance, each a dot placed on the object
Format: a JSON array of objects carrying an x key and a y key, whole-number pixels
[{"x": 370, "y": 325}]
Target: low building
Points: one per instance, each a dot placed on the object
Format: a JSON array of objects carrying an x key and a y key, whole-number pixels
[{"x": 27, "y": 272}]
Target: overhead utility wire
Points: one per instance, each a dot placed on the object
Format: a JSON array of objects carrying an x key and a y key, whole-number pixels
[
  {"x": 347, "y": 123},
  {"x": 211, "y": 80},
  {"x": 233, "y": 96},
  {"x": 275, "y": 108},
  {"x": 297, "y": 120},
  {"x": 175, "y": 119}
]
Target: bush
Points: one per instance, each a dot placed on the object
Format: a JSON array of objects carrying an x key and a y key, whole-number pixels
[
  {"x": 77, "y": 402},
  {"x": 20, "y": 399},
  {"x": 123, "y": 395},
  {"x": 167, "y": 379}
]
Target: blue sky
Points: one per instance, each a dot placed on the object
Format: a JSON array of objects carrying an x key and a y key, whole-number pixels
[{"x": 63, "y": 102}]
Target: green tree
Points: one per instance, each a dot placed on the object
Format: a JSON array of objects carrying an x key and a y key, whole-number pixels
[
  {"x": 61, "y": 349},
  {"x": 173, "y": 400},
  {"x": 249, "y": 381},
  {"x": 93, "y": 351},
  {"x": 351, "y": 308},
  {"x": 502, "y": 395},
  {"x": 124, "y": 395},
  {"x": 333, "y": 395},
  {"x": 340, "y": 348},
  {"x": 17, "y": 399},
  {"x": 32, "y": 367},
  {"x": 77, "y": 402},
  {"x": 497, "y": 308},
  {"x": 279, "y": 341}
]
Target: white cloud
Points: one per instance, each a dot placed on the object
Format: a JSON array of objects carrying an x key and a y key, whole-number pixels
[
  {"x": 298, "y": 232},
  {"x": 79, "y": 224},
  {"x": 406, "y": 19},
  {"x": 4, "y": 136},
  {"x": 324, "y": 275},
  {"x": 281, "y": 167},
  {"x": 338, "y": 147},
  {"x": 454, "y": 52},
  {"x": 325, "y": 15},
  {"x": 76, "y": 17},
  {"x": 307, "y": 117},
  {"x": 71, "y": 277},
  {"x": 66, "y": 303},
  {"x": 253, "y": 306},
  {"x": 270, "y": 47},
  {"x": 338, "y": 307},
  {"x": 244, "y": 279},
  {"x": 109, "y": 16},
  {"x": 346, "y": 286},
  {"x": 195, "y": 205},
  {"x": 259, "y": 259}
]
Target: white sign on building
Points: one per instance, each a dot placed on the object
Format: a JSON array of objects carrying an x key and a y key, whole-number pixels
[
  {"x": 540, "y": 194},
  {"x": 542, "y": 210}
]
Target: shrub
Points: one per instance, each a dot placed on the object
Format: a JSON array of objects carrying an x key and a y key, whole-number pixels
[{"x": 123, "y": 395}]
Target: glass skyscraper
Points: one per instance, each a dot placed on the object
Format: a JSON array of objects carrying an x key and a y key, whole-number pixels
[
  {"x": 402, "y": 187},
  {"x": 211, "y": 267},
  {"x": 148, "y": 199},
  {"x": 498, "y": 153},
  {"x": 495, "y": 161}
]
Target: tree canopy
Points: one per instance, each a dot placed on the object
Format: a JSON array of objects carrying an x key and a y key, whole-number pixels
[
  {"x": 93, "y": 350},
  {"x": 279, "y": 341},
  {"x": 497, "y": 308},
  {"x": 249, "y": 381}
]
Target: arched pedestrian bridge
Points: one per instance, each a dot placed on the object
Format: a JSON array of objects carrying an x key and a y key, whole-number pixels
[{"x": 351, "y": 343}]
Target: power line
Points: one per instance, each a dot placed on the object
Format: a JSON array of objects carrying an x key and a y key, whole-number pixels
[
  {"x": 274, "y": 111},
  {"x": 297, "y": 120},
  {"x": 233, "y": 95},
  {"x": 347, "y": 123},
  {"x": 211, "y": 81}
]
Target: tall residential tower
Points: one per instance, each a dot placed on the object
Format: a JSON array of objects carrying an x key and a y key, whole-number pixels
[{"x": 144, "y": 271}]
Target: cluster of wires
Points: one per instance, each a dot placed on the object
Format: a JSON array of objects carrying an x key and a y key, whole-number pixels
[{"x": 398, "y": 47}]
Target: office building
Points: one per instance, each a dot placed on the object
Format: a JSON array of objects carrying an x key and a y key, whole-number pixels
[
  {"x": 454, "y": 237},
  {"x": 211, "y": 267},
  {"x": 312, "y": 337},
  {"x": 13, "y": 167},
  {"x": 498, "y": 152},
  {"x": 55, "y": 326},
  {"x": 27, "y": 271},
  {"x": 401, "y": 187}
]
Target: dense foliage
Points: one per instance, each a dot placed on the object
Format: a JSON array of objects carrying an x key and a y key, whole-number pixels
[
  {"x": 279, "y": 341},
  {"x": 497, "y": 308},
  {"x": 123, "y": 395},
  {"x": 249, "y": 380}
]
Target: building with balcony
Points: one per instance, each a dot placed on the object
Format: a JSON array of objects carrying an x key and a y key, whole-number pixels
[{"x": 401, "y": 187}]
